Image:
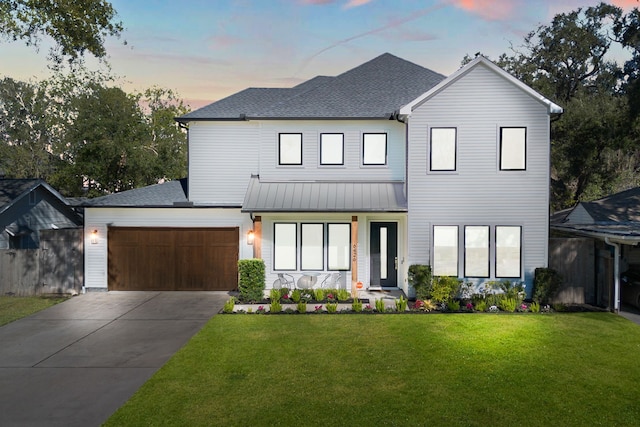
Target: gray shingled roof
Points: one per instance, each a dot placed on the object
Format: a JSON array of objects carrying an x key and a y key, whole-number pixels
[
  {"x": 13, "y": 189},
  {"x": 617, "y": 216},
  {"x": 375, "y": 89},
  {"x": 324, "y": 196},
  {"x": 158, "y": 195},
  {"x": 619, "y": 207}
]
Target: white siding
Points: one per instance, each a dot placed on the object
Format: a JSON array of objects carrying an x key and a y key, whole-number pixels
[
  {"x": 478, "y": 193},
  {"x": 95, "y": 254},
  {"x": 222, "y": 158},
  {"x": 352, "y": 170}
]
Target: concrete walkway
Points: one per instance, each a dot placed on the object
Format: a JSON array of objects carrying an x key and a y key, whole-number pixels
[{"x": 76, "y": 363}]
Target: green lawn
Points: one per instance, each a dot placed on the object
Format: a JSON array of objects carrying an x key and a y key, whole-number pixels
[
  {"x": 13, "y": 308},
  {"x": 369, "y": 370}
]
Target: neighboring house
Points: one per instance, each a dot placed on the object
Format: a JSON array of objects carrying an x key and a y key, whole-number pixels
[
  {"x": 613, "y": 223},
  {"x": 28, "y": 206},
  {"x": 386, "y": 165}
]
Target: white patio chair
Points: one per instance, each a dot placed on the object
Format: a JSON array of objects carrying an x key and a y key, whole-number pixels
[
  {"x": 331, "y": 281},
  {"x": 284, "y": 280}
]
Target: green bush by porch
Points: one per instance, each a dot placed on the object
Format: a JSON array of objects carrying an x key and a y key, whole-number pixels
[
  {"x": 251, "y": 283},
  {"x": 499, "y": 370}
]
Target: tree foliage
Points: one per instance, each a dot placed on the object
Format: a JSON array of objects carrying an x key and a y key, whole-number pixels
[
  {"x": 75, "y": 26},
  {"x": 595, "y": 145},
  {"x": 88, "y": 137}
]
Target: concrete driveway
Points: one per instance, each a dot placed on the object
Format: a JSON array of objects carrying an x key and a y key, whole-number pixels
[{"x": 75, "y": 363}]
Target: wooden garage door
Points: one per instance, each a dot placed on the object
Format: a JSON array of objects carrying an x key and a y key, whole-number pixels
[{"x": 173, "y": 259}]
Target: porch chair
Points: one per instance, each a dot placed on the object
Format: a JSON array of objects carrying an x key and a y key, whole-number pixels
[
  {"x": 284, "y": 280},
  {"x": 331, "y": 281}
]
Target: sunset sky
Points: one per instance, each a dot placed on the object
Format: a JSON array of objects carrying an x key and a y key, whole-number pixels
[{"x": 206, "y": 50}]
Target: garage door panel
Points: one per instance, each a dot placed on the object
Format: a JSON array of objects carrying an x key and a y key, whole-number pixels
[{"x": 173, "y": 259}]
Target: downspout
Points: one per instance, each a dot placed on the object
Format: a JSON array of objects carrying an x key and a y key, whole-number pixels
[{"x": 616, "y": 273}]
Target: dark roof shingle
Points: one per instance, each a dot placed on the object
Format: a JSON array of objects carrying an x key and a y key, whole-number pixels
[
  {"x": 375, "y": 89},
  {"x": 158, "y": 195}
]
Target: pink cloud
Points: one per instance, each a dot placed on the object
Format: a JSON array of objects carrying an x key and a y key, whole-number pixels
[
  {"x": 493, "y": 10},
  {"x": 224, "y": 41},
  {"x": 356, "y": 3},
  {"x": 626, "y": 4},
  {"x": 349, "y": 5}
]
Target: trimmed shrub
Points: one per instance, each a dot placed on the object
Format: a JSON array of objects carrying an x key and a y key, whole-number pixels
[
  {"x": 252, "y": 280},
  {"x": 444, "y": 288},
  {"x": 546, "y": 284},
  {"x": 420, "y": 279}
]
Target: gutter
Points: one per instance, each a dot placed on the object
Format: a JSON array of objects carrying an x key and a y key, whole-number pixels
[{"x": 623, "y": 240}]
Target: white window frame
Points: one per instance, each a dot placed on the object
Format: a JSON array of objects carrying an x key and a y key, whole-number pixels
[
  {"x": 338, "y": 252},
  {"x": 513, "y": 138},
  {"x": 370, "y": 155},
  {"x": 282, "y": 247},
  {"x": 287, "y": 147},
  {"x": 471, "y": 242},
  {"x": 332, "y": 149},
  {"x": 443, "y": 149},
  {"x": 445, "y": 267},
  {"x": 505, "y": 255},
  {"x": 311, "y": 248}
]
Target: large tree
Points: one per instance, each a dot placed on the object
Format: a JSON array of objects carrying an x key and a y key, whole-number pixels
[
  {"x": 75, "y": 26},
  {"x": 28, "y": 132}
]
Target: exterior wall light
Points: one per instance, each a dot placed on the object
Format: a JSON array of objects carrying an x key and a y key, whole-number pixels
[
  {"x": 250, "y": 237},
  {"x": 94, "y": 237}
]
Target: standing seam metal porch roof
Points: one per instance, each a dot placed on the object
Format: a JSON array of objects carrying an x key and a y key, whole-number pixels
[{"x": 322, "y": 196}]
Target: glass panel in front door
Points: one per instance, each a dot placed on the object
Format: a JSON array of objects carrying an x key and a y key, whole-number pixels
[{"x": 384, "y": 254}]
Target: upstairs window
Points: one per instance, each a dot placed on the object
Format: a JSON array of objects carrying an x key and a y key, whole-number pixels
[
  {"x": 290, "y": 149},
  {"x": 445, "y": 250},
  {"x": 513, "y": 148},
  {"x": 331, "y": 149},
  {"x": 374, "y": 149},
  {"x": 443, "y": 149}
]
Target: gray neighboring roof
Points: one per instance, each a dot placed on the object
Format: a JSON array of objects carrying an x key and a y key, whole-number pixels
[
  {"x": 159, "y": 195},
  {"x": 376, "y": 90},
  {"x": 12, "y": 190},
  {"x": 619, "y": 207},
  {"x": 324, "y": 196},
  {"x": 616, "y": 216}
]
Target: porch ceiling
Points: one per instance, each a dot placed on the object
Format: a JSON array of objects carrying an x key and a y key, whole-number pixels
[{"x": 323, "y": 196}]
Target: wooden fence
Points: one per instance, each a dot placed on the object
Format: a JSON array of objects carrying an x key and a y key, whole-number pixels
[
  {"x": 574, "y": 259},
  {"x": 56, "y": 267}
]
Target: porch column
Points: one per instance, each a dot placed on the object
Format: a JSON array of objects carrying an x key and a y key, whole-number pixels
[
  {"x": 354, "y": 256},
  {"x": 257, "y": 240}
]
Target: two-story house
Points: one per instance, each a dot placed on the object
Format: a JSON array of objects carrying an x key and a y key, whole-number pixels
[{"x": 363, "y": 174}]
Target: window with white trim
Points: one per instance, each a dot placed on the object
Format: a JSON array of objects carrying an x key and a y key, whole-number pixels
[
  {"x": 338, "y": 246},
  {"x": 332, "y": 149},
  {"x": 513, "y": 148},
  {"x": 374, "y": 149},
  {"x": 285, "y": 246},
  {"x": 508, "y": 251},
  {"x": 443, "y": 149},
  {"x": 476, "y": 251},
  {"x": 312, "y": 247},
  {"x": 290, "y": 149},
  {"x": 445, "y": 250}
]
